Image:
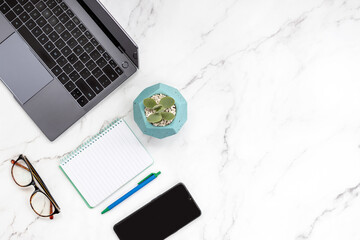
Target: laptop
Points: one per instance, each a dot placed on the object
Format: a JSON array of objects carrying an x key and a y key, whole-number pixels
[{"x": 59, "y": 58}]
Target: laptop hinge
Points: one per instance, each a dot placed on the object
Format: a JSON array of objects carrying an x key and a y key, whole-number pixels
[{"x": 112, "y": 29}]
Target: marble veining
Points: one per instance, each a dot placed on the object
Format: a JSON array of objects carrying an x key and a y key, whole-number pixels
[{"x": 271, "y": 146}]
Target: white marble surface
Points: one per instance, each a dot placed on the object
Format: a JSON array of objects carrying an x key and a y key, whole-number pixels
[{"x": 271, "y": 146}]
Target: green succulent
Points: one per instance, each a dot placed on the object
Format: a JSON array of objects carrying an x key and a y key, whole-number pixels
[{"x": 160, "y": 114}]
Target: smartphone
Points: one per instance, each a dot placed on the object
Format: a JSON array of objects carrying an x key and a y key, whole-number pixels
[{"x": 161, "y": 217}]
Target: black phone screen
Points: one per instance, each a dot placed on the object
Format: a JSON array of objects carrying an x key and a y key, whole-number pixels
[{"x": 161, "y": 217}]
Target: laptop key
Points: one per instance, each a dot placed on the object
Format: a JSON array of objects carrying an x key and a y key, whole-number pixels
[
  {"x": 53, "y": 36},
  {"x": 101, "y": 62},
  {"x": 57, "y": 11},
  {"x": 61, "y": 61},
  {"x": 29, "y": 7},
  {"x": 36, "y": 31},
  {"x": 33, "y": 1},
  {"x": 66, "y": 51},
  {"x": 30, "y": 24},
  {"x": 65, "y": 35},
  {"x": 90, "y": 65},
  {"x": 85, "y": 73},
  {"x": 51, "y": 4},
  {"x": 106, "y": 56},
  {"x": 104, "y": 81},
  {"x": 4, "y": 8},
  {"x": 31, "y": 40},
  {"x": 64, "y": 6},
  {"x": 16, "y": 23},
  {"x": 59, "y": 28},
  {"x": 94, "y": 42},
  {"x": 78, "y": 50},
  {"x": 11, "y": 3},
  {"x": 88, "y": 34},
  {"x": 82, "y": 27},
  {"x": 53, "y": 21},
  {"x": 70, "y": 13},
  {"x": 57, "y": 70},
  {"x": 84, "y": 57},
  {"x": 72, "y": 58},
  {"x": 70, "y": 25},
  {"x": 47, "y": 13},
  {"x": 68, "y": 68},
  {"x": 89, "y": 47},
  {"x": 63, "y": 78},
  {"x": 41, "y": 21},
  {"x": 74, "y": 76},
  {"x": 40, "y": 6},
  {"x": 100, "y": 49},
  {"x": 95, "y": 55},
  {"x": 97, "y": 72},
  {"x": 64, "y": 18},
  {"x": 24, "y": 17},
  {"x": 55, "y": 54},
  {"x": 70, "y": 86},
  {"x": 76, "y": 93},
  {"x": 85, "y": 89},
  {"x": 110, "y": 73},
  {"x": 72, "y": 43},
  {"x": 18, "y": 9},
  {"x": 10, "y": 16},
  {"x": 94, "y": 84},
  {"x": 79, "y": 66},
  {"x": 76, "y": 20},
  {"x": 82, "y": 40},
  {"x": 82, "y": 101},
  {"x": 43, "y": 39},
  {"x": 47, "y": 29},
  {"x": 60, "y": 44},
  {"x": 113, "y": 64},
  {"x": 35, "y": 14},
  {"x": 118, "y": 71},
  {"x": 49, "y": 46}
]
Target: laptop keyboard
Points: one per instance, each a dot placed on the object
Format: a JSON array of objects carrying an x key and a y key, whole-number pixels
[{"x": 64, "y": 44}]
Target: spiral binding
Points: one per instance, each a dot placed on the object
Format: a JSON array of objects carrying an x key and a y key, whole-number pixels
[{"x": 89, "y": 142}]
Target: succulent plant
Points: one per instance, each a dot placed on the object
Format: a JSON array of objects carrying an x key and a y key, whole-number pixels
[{"x": 159, "y": 109}]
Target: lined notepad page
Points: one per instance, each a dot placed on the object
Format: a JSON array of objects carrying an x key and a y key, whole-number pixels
[{"x": 105, "y": 163}]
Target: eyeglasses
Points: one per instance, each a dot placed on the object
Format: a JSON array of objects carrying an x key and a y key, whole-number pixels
[{"x": 41, "y": 201}]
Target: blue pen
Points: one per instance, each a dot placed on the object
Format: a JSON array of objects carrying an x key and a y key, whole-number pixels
[{"x": 140, "y": 185}]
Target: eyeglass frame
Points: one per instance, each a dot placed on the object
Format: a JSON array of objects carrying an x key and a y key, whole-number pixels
[{"x": 35, "y": 175}]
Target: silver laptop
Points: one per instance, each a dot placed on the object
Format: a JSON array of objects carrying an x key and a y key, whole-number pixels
[{"x": 60, "y": 58}]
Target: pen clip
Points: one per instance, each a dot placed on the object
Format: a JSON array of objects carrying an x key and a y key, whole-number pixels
[
  {"x": 151, "y": 174},
  {"x": 145, "y": 178}
]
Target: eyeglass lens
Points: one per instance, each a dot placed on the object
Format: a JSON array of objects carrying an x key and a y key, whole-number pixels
[
  {"x": 41, "y": 204},
  {"x": 21, "y": 174}
]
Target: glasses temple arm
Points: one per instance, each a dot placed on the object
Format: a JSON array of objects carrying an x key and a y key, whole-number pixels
[
  {"x": 51, "y": 210},
  {"x": 18, "y": 164}
]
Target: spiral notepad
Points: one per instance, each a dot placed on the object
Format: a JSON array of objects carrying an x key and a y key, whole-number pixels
[{"x": 106, "y": 162}]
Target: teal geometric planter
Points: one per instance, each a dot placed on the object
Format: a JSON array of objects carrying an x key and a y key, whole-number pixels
[{"x": 180, "y": 117}]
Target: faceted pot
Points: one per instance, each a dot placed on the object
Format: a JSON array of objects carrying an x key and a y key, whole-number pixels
[{"x": 165, "y": 131}]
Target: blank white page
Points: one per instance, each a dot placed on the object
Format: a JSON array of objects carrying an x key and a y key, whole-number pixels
[{"x": 106, "y": 162}]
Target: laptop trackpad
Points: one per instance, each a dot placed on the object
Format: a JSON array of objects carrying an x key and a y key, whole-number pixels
[{"x": 20, "y": 70}]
